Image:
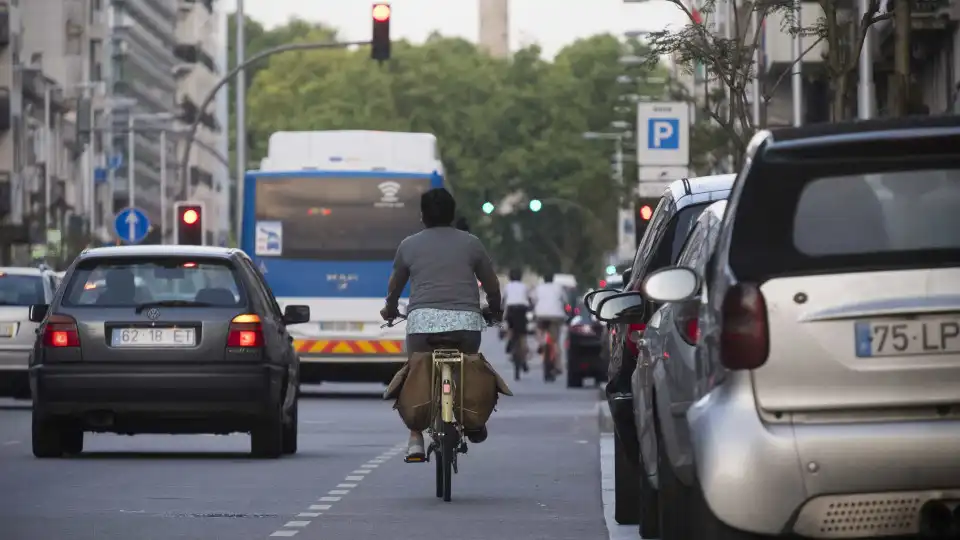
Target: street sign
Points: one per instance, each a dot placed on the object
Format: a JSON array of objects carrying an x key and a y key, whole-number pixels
[
  {"x": 654, "y": 179},
  {"x": 141, "y": 225},
  {"x": 115, "y": 162},
  {"x": 663, "y": 134},
  {"x": 99, "y": 175}
]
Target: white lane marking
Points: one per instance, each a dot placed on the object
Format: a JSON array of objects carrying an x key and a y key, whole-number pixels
[
  {"x": 353, "y": 478},
  {"x": 329, "y": 499},
  {"x": 310, "y": 514},
  {"x": 615, "y": 531},
  {"x": 11, "y": 443},
  {"x": 361, "y": 471},
  {"x": 319, "y": 507},
  {"x": 370, "y": 465},
  {"x": 285, "y": 533},
  {"x": 346, "y": 485},
  {"x": 297, "y": 524},
  {"x": 582, "y": 442},
  {"x": 338, "y": 492}
]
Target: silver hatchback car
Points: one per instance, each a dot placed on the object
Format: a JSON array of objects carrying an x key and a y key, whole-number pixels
[
  {"x": 825, "y": 399},
  {"x": 20, "y": 287}
]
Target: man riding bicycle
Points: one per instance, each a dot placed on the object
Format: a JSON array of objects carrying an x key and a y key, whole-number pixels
[
  {"x": 442, "y": 264},
  {"x": 516, "y": 298},
  {"x": 548, "y": 309}
]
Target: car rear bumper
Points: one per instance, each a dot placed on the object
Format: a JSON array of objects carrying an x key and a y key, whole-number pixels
[
  {"x": 14, "y": 360},
  {"x": 207, "y": 389},
  {"x": 815, "y": 479}
]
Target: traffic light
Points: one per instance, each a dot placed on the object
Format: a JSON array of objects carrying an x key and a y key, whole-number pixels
[
  {"x": 487, "y": 207},
  {"x": 645, "y": 208},
  {"x": 380, "y": 44},
  {"x": 190, "y": 228},
  {"x": 535, "y": 205}
]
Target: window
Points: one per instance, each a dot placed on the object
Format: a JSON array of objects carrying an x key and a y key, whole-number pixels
[
  {"x": 128, "y": 282},
  {"x": 889, "y": 212},
  {"x": 341, "y": 218},
  {"x": 691, "y": 256},
  {"x": 20, "y": 290}
]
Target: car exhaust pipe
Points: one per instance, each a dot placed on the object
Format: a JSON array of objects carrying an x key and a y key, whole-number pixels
[{"x": 937, "y": 521}]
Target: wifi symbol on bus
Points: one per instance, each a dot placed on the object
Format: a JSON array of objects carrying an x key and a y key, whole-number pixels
[{"x": 389, "y": 190}]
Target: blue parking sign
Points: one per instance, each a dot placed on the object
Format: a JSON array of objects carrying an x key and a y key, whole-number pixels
[{"x": 663, "y": 133}]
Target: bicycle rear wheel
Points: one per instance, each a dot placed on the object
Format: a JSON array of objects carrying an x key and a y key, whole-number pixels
[
  {"x": 448, "y": 452},
  {"x": 438, "y": 458}
]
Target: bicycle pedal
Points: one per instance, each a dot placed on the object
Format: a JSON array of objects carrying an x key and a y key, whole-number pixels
[{"x": 415, "y": 459}]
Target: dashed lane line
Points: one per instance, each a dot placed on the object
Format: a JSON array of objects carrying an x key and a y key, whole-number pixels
[{"x": 291, "y": 528}]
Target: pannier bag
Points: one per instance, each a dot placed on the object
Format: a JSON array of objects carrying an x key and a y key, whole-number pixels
[{"x": 411, "y": 387}]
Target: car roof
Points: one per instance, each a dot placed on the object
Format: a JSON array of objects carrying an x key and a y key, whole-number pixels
[
  {"x": 701, "y": 184},
  {"x": 21, "y": 271},
  {"x": 158, "y": 250}
]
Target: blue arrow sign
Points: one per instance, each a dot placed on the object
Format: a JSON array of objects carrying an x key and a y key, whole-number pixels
[{"x": 141, "y": 225}]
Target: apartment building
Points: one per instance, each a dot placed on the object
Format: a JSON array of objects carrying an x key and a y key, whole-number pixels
[
  {"x": 200, "y": 52},
  {"x": 494, "y": 30},
  {"x": 50, "y": 75}
]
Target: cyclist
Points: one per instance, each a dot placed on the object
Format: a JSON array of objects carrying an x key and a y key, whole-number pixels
[
  {"x": 442, "y": 264},
  {"x": 516, "y": 298},
  {"x": 548, "y": 309}
]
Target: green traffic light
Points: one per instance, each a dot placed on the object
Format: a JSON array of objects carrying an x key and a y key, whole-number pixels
[
  {"x": 536, "y": 205},
  {"x": 611, "y": 270},
  {"x": 487, "y": 207}
]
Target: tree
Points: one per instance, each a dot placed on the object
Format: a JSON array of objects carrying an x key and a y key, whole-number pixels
[{"x": 504, "y": 126}]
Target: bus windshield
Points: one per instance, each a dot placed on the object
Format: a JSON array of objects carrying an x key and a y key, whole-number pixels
[{"x": 338, "y": 218}]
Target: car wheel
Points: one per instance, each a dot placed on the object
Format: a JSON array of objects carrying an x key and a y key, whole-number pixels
[
  {"x": 649, "y": 507},
  {"x": 290, "y": 431},
  {"x": 574, "y": 380},
  {"x": 72, "y": 440},
  {"x": 266, "y": 437},
  {"x": 626, "y": 492},
  {"x": 674, "y": 499},
  {"x": 704, "y": 524},
  {"x": 46, "y": 438}
]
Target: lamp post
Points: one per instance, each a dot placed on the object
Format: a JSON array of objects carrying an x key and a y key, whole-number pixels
[{"x": 131, "y": 150}]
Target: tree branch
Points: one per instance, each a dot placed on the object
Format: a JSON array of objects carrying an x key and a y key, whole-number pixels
[
  {"x": 866, "y": 22},
  {"x": 789, "y": 69}
]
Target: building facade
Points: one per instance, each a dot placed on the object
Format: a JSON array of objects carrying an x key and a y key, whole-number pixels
[{"x": 494, "y": 31}]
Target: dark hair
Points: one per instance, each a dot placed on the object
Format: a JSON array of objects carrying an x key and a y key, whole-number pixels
[
  {"x": 462, "y": 224},
  {"x": 437, "y": 208},
  {"x": 516, "y": 274},
  {"x": 548, "y": 278}
]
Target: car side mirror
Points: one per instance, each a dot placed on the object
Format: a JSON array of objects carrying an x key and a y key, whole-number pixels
[
  {"x": 296, "y": 314},
  {"x": 671, "y": 284},
  {"x": 623, "y": 307},
  {"x": 38, "y": 312},
  {"x": 592, "y": 299},
  {"x": 627, "y": 274}
]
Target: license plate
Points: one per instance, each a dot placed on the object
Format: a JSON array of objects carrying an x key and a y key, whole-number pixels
[
  {"x": 907, "y": 337},
  {"x": 8, "y": 330},
  {"x": 338, "y": 326},
  {"x": 154, "y": 337}
]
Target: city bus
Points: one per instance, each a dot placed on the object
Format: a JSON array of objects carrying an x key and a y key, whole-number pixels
[{"x": 322, "y": 219}]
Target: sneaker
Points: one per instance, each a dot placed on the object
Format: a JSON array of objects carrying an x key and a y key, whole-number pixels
[
  {"x": 476, "y": 435},
  {"x": 415, "y": 448}
]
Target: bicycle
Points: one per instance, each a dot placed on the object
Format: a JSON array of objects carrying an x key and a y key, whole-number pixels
[
  {"x": 518, "y": 353},
  {"x": 447, "y": 438}
]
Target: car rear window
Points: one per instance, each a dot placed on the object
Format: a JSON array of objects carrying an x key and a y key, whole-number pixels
[
  {"x": 881, "y": 213},
  {"x": 19, "y": 290},
  {"x": 793, "y": 219},
  {"x": 131, "y": 282}
]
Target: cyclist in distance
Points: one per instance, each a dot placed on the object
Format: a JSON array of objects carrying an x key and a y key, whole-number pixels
[
  {"x": 516, "y": 298},
  {"x": 442, "y": 264},
  {"x": 548, "y": 309}
]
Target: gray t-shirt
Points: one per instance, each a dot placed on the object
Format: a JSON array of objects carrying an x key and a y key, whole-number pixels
[{"x": 443, "y": 265}]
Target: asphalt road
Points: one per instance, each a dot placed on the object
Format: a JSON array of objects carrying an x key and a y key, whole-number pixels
[{"x": 537, "y": 476}]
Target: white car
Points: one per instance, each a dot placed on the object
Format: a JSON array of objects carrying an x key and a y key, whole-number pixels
[{"x": 19, "y": 289}]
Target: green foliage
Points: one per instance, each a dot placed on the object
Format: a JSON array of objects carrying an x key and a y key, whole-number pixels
[{"x": 504, "y": 126}]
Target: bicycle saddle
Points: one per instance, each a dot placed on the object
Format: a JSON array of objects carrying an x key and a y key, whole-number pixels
[{"x": 443, "y": 342}]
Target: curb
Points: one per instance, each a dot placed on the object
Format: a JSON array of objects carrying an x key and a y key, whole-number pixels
[{"x": 604, "y": 418}]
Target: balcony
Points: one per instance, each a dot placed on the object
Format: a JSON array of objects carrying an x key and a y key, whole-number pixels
[
  {"x": 5, "y": 118},
  {"x": 189, "y": 111},
  {"x": 4, "y": 24},
  {"x": 931, "y": 22},
  {"x": 194, "y": 53}
]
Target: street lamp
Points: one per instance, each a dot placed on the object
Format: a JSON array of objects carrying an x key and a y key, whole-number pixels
[{"x": 131, "y": 143}]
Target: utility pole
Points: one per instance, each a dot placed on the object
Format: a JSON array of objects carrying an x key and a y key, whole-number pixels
[
  {"x": 796, "y": 75},
  {"x": 241, "y": 130},
  {"x": 901, "y": 57},
  {"x": 865, "y": 88}
]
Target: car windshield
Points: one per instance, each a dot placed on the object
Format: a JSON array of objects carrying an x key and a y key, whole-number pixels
[
  {"x": 20, "y": 290},
  {"x": 129, "y": 283}
]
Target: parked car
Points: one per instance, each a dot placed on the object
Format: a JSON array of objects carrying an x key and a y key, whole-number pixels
[
  {"x": 165, "y": 357},
  {"x": 583, "y": 348},
  {"x": 682, "y": 202},
  {"x": 19, "y": 289},
  {"x": 827, "y": 371}
]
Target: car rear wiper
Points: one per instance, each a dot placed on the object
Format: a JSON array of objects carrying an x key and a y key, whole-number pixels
[{"x": 171, "y": 303}]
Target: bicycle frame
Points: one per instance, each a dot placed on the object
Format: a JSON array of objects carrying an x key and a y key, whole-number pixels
[{"x": 444, "y": 361}]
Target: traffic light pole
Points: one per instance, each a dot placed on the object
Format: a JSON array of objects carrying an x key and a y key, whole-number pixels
[{"x": 212, "y": 94}]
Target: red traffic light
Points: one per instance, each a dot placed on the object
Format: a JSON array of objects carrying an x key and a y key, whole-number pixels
[
  {"x": 381, "y": 12},
  {"x": 190, "y": 217},
  {"x": 646, "y": 212}
]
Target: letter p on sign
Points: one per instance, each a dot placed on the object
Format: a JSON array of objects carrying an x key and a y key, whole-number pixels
[{"x": 663, "y": 134}]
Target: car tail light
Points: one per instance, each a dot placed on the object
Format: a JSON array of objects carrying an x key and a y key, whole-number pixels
[
  {"x": 744, "y": 337},
  {"x": 582, "y": 329},
  {"x": 61, "y": 331},
  {"x": 687, "y": 322},
  {"x": 245, "y": 332},
  {"x": 634, "y": 331}
]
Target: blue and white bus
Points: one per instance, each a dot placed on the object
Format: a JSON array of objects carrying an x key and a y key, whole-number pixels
[{"x": 322, "y": 219}]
